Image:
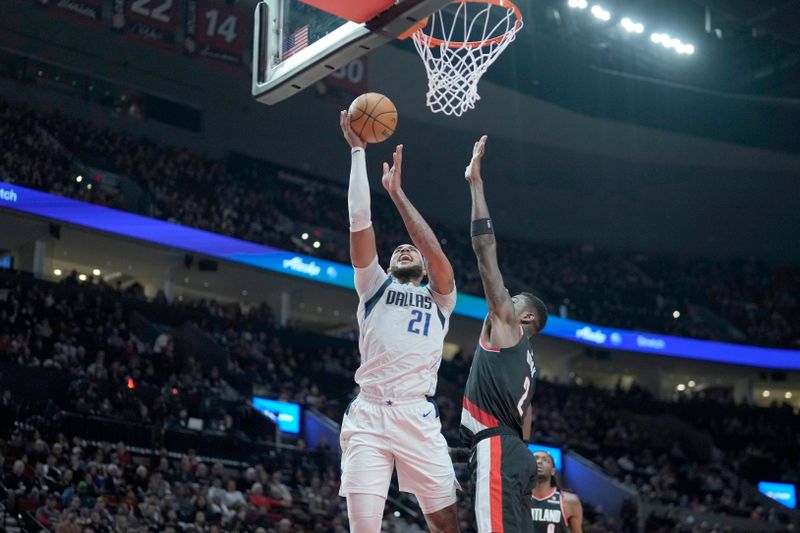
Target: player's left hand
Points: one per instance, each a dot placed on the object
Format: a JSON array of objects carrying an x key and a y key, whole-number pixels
[{"x": 391, "y": 175}]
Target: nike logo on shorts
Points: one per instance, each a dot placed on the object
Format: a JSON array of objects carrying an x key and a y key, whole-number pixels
[{"x": 426, "y": 414}]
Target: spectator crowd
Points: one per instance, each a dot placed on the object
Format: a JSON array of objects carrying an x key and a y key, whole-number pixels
[
  {"x": 126, "y": 360},
  {"x": 742, "y": 301}
]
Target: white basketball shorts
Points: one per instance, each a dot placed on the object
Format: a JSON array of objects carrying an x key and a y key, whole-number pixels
[{"x": 377, "y": 436}]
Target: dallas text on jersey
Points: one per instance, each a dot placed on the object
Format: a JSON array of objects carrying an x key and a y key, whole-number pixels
[{"x": 404, "y": 299}]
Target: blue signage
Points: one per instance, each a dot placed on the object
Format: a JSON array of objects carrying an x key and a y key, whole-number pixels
[
  {"x": 8, "y": 195},
  {"x": 780, "y": 492},
  {"x": 155, "y": 231},
  {"x": 555, "y": 453},
  {"x": 285, "y": 414}
]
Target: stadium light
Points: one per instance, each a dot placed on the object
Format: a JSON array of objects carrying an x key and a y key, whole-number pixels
[
  {"x": 765, "y": 394},
  {"x": 82, "y": 277},
  {"x": 681, "y": 387},
  {"x": 601, "y": 13},
  {"x": 788, "y": 395},
  {"x": 317, "y": 244},
  {"x": 79, "y": 178},
  {"x": 96, "y": 272},
  {"x": 666, "y": 41},
  {"x": 676, "y": 314},
  {"x": 57, "y": 272},
  {"x": 304, "y": 236},
  {"x": 631, "y": 26},
  {"x": 578, "y": 4},
  {"x": 692, "y": 383}
]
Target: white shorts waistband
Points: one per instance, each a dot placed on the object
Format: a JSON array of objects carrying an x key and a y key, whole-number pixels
[{"x": 391, "y": 402}]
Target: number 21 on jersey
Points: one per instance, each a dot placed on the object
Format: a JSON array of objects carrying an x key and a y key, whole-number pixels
[{"x": 415, "y": 324}]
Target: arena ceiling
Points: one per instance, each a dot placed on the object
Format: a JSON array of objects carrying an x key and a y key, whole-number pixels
[{"x": 771, "y": 29}]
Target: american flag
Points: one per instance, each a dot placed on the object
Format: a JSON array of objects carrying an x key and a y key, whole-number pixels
[{"x": 295, "y": 42}]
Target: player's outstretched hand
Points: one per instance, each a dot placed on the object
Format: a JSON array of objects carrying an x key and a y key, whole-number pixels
[
  {"x": 350, "y": 136},
  {"x": 391, "y": 175},
  {"x": 473, "y": 171}
]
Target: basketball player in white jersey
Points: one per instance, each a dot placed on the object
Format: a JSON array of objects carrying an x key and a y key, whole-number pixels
[{"x": 402, "y": 325}]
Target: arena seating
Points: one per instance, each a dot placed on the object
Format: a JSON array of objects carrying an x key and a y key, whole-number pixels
[
  {"x": 87, "y": 365},
  {"x": 739, "y": 301}
]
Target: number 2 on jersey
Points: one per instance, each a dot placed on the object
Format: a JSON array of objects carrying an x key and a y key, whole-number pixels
[
  {"x": 525, "y": 385},
  {"x": 413, "y": 325}
]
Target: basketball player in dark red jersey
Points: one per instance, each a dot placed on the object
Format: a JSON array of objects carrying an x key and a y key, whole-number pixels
[
  {"x": 496, "y": 415},
  {"x": 553, "y": 510}
]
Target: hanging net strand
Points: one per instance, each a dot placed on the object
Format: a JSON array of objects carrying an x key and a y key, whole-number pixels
[{"x": 458, "y": 45}]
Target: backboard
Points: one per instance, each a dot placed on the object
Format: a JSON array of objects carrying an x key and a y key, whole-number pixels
[{"x": 296, "y": 44}]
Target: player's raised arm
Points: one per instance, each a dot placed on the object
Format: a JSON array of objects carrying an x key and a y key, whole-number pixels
[
  {"x": 503, "y": 318},
  {"x": 362, "y": 236},
  {"x": 440, "y": 271}
]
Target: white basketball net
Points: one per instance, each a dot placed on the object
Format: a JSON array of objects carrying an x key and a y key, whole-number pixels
[{"x": 473, "y": 35}]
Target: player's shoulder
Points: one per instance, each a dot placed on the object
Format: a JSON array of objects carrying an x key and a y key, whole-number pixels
[{"x": 569, "y": 497}]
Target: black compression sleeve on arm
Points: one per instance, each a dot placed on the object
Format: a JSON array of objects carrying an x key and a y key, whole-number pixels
[{"x": 482, "y": 226}]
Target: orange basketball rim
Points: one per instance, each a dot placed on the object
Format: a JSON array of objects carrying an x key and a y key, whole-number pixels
[{"x": 430, "y": 40}]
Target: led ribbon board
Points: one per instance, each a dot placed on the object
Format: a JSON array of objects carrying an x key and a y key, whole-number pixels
[
  {"x": 172, "y": 235},
  {"x": 783, "y": 493},
  {"x": 285, "y": 414}
]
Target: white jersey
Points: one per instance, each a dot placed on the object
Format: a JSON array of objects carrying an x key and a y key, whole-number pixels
[{"x": 401, "y": 335}]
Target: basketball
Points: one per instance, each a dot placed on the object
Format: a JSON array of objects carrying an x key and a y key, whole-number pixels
[{"x": 373, "y": 117}]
